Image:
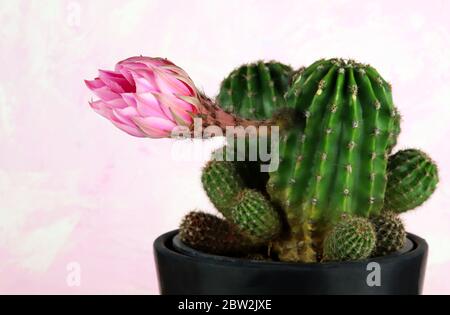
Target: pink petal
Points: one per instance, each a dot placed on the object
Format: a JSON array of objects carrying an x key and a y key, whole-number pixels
[
  {"x": 155, "y": 127},
  {"x": 117, "y": 103},
  {"x": 115, "y": 81},
  {"x": 125, "y": 115},
  {"x": 94, "y": 84},
  {"x": 103, "y": 109},
  {"x": 148, "y": 105},
  {"x": 134, "y": 131},
  {"x": 127, "y": 75},
  {"x": 129, "y": 98},
  {"x": 171, "y": 104},
  {"x": 168, "y": 84},
  {"x": 148, "y": 61},
  {"x": 101, "y": 90},
  {"x": 144, "y": 85}
]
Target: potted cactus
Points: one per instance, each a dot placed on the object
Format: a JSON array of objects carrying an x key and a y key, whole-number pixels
[{"x": 325, "y": 220}]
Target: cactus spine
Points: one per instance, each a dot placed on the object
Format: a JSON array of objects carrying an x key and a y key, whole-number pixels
[
  {"x": 346, "y": 124},
  {"x": 353, "y": 238},
  {"x": 255, "y": 90},
  {"x": 412, "y": 179}
]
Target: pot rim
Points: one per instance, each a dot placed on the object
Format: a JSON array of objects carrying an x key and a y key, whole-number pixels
[{"x": 163, "y": 244}]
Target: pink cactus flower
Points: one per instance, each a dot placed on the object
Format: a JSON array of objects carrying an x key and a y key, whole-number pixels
[{"x": 145, "y": 97}]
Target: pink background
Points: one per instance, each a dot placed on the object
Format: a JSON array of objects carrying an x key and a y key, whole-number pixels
[{"x": 75, "y": 189}]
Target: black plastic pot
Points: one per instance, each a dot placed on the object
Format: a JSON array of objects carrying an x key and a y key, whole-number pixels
[{"x": 183, "y": 270}]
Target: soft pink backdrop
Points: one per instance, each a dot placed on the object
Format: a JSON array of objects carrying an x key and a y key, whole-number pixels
[{"x": 75, "y": 189}]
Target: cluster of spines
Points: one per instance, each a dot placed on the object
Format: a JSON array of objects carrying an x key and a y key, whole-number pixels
[
  {"x": 255, "y": 90},
  {"x": 412, "y": 179},
  {"x": 391, "y": 234}
]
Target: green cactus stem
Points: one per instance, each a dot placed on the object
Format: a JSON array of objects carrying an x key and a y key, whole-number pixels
[
  {"x": 334, "y": 160},
  {"x": 208, "y": 233},
  {"x": 352, "y": 238},
  {"x": 255, "y": 90},
  {"x": 222, "y": 184},
  {"x": 255, "y": 217},
  {"x": 391, "y": 234},
  {"x": 412, "y": 179}
]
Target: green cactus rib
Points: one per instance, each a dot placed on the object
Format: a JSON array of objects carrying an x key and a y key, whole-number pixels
[
  {"x": 222, "y": 184},
  {"x": 255, "y": 217},
  {"x": 412, "y": 179},
  {"x": 352, "y": 238},
  {"x": 206, "y": 232},
  {"x": 255, "y": 90},
  {"x": 392, "y": 141},
  {"x": 334, "y": 160}
]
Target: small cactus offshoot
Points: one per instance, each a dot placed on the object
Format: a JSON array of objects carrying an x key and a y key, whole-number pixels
[
  {"x": 391, "y": 234},
  {"x": 206, "y": 232},
  {"x": 353, "y": 238},
  {"x": 412, "y": 179},
  {"x": 256, "y": 217},
  {"x": 222, "y": 184}
]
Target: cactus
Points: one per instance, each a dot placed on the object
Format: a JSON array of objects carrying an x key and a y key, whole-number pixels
[
  {"x": 337, "y": 131},
  {"x": 255, "y": 90},
  {"x": 211, "y": 234},
  {"x": 390, "y": 233},
  {"x": 412, "y": 178},
  {"x": 255, "y": 217},
  {"x": 338, "y": 127},
  {"x": 353, "y": 238},
  {"x": 334, "y": 160}
]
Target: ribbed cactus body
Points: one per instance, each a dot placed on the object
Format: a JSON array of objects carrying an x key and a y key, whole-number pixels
[
  {"x": 352, "y": 238},
  {"x": 255, "y": 90},
  {"x": 255, "y": 217},
  {"x": 412, "y": 179},
  {"x": 334, "y": 160},
  {"x": 391, "y": 234},
  {"x": 206, "y": 232},
  {"x": 222, "y": 184}
]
